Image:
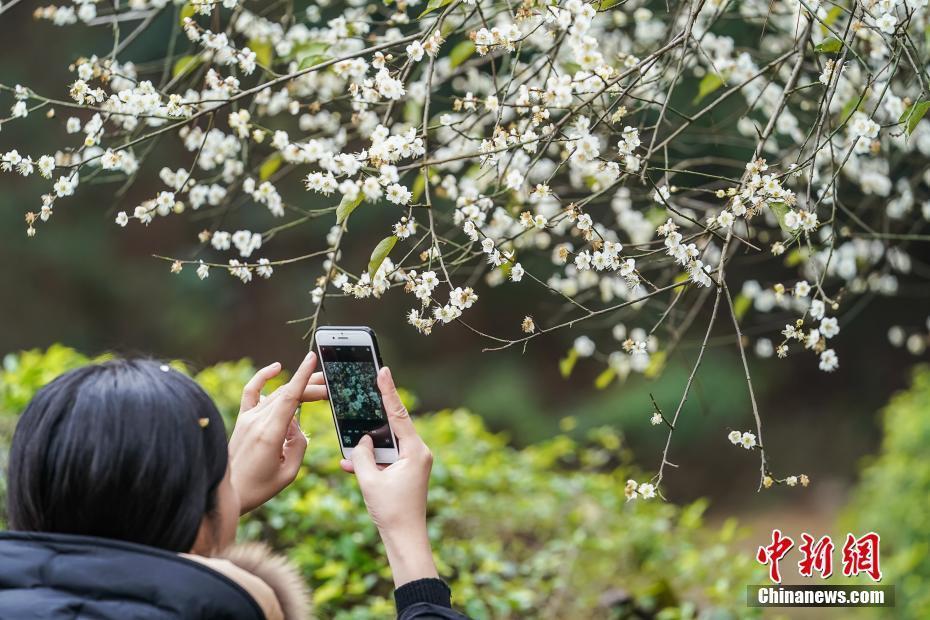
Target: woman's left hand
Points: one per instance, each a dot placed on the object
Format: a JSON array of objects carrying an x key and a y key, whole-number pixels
[{"x": 267, "y": 445}]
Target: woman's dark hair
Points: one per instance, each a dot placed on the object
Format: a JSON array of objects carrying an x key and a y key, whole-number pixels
[{"x": 125, "y": 449}]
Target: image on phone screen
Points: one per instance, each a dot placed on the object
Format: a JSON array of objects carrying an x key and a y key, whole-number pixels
[{"x": 353, "y": 394}]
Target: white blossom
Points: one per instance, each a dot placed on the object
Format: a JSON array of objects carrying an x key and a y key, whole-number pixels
[
  {"x": 584, "y": 346},
  {"x": 829, "y": 361},
  {"x": 553, "y": 157}
]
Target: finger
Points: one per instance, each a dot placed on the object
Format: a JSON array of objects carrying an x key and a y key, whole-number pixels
[
  {"x": 397, "y": 414},
  {"x": 253, "y": 389},
  {"x": 314, "y": 393},
  {"x": 290, "y": 394},
  {"x": 363, "y": 458},
  {"x": 302, "y": 375},
  {"x": 316, "y": 389},
  {"x": 266, "y": 402}
]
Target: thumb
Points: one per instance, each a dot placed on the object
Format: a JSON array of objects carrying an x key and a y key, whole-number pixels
[
  {"x": 397, "y": 414},
  {"x": 363, "y": 457}
]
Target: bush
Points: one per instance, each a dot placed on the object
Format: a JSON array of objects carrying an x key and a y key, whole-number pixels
[
  {"x": 541, "y": 532},
  {"x": 892, "y": 495}
]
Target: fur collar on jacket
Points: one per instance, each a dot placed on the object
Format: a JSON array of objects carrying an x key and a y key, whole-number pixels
[{"x": 271, "y": 579}]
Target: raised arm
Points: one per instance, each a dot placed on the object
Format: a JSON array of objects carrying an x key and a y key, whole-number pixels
[{"x": 396, "y": 500}]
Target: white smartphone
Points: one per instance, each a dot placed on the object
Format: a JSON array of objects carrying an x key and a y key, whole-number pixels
[{"x": 351, "y": 361}]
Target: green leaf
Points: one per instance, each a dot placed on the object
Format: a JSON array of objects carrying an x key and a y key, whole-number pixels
[
  {"x": 851, "y": 106},
  {"x": 605, "y": 378},
  {"x": 270, "y": 166},
  {"x": 346, "y": 207},
  {"x": 186, "y": 11},
  {"x": 656, "y": 365},
  {"x": 603, "y": 5},
  {"x": 832, "y": 16},
  {"x": 419, "y": 185},
  {"x": 829, "y": 46},
  {"x": 795, "y": 257},
  {"x": 460, "y": 53},
  {"x": 380, "y": 252},
  {"x": 709, "y": 83},
  {"x": 913, "y": 115},
  {"x": 309, "y": 47},
  {"x": 780, "y": 210},
  {"x": 311, "y": 53},
  {"x": 447, "y": 28},
  {"x": 264, "y": 52},
  {"x": 185, "y": 64},
  {"x": 310, "y": 61},
  {"x": 741, "y": 305},
  {"x": 656, "y": 215},
  {"x": 431, "y": 6},
  {"x": 567, "y": 363},
  {"x": 413, "y": 111}
]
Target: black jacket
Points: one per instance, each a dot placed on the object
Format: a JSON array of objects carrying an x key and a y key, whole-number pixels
[{"x": 58, "y": 577}]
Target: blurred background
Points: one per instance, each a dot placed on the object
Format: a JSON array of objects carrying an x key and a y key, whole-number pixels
[{"x": 90, "y": 285}]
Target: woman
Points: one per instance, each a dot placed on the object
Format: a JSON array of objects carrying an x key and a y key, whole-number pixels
[{"x": 124, "y": 498}]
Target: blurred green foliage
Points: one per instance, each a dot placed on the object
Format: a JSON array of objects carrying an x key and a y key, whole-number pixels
[
  {"x": 892, "y": 497},
  {"x": 544, "y": 531}
]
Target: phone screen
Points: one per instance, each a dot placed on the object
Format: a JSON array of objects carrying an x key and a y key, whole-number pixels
[{"x": 354, "y": 396}]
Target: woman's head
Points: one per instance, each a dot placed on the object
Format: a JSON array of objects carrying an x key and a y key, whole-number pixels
[{"x": 125, "y": 449}]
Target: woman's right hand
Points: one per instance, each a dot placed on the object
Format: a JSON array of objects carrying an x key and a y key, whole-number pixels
[
  {"x": 267, "y": 446},
  {"x": 396, "y": 495}
]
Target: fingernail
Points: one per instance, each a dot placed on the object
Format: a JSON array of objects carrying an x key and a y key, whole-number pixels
[{"x": 310, "y": 355}]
